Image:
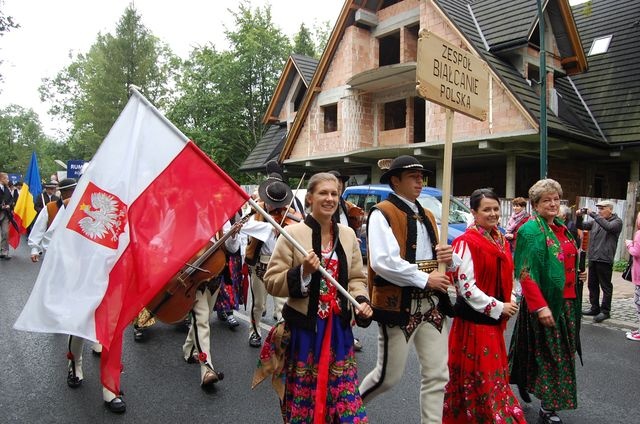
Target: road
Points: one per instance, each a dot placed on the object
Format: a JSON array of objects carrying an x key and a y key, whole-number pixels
[{"x": 161, "y": 388}]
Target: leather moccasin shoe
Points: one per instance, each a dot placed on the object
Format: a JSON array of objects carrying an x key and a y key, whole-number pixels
[
  {"x": 73, "y": 381},
  {"x": 210, "y": 378},
  {"x": 601, "y": 317},
  {"x": 255, "y": 340},
  {"x": 116, "y": 405},
  {"x": 591, "y": 312},
  {"x": 193, "y": 359},
  {"x": 232, "y": 322}
]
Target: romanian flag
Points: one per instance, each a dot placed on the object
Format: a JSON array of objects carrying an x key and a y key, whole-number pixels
[{"x": 24, "y": 212}]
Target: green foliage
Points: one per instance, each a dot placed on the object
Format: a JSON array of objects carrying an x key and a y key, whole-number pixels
[
  {"x": 6, "y": 24},
  {"x": 91, "y": 92},
  {"x": 303, "y": 42},
  {"x": 322, "y": 32},
  {"x": 224, "y": 95},
  {"x": 20, "y": 134}
]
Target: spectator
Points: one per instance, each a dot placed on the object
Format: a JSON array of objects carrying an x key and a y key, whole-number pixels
[
  {"x": 633, "y": 247},
  {"x": 6, "y": 215},
  {"x": 604, "y": 229},
  {"x": 517, "y": 218}
]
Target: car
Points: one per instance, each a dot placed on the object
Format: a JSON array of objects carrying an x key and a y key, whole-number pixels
[{"x": 365, "y": 196}]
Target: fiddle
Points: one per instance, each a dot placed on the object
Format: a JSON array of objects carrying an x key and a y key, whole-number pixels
[
  {"x": 286, "y": 217},
  {"x": 173, "y": 303},
  {"x": 355, "y": 216}
]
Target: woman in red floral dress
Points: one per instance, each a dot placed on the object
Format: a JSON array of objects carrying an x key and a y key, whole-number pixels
[{"x": 478, "y": 390}]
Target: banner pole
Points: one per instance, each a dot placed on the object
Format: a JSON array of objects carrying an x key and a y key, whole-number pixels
[
  {"x": 134, "y": 90},
  {"x": 446, "y": 183},
  {"x": 300, "y": 249}
]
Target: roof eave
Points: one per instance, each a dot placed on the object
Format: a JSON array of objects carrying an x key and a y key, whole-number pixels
[
  {"x": 268, "y": 115},
  {"x": 318, "y": 77}
]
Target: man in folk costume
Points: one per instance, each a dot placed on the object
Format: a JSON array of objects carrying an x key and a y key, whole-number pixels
[
  {"x": 47, "y": 195},
  {"x": 197, "y": 346},
  {"x": 276, "y": 197},
  {"x": 408, "y": 293},
  {"x": 39, "y": 239}
]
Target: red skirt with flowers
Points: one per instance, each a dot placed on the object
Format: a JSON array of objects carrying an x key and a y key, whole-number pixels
[{"x": 478, "y": 390}]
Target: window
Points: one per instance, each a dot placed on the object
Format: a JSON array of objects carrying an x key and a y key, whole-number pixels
[
  {"x": 418, "y": 119},
  {"x": 395, "y": 115},
  {"x": 600, "y": 45},
  {"x": 387, "y": 3},
  {"x": 299, "y": 96},
  {"x": 330, "y": 118},
  {"x": 389, "y": 49}
]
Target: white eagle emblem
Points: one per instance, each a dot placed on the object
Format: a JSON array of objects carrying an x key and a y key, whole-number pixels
[{"x": 104, "y": 217}]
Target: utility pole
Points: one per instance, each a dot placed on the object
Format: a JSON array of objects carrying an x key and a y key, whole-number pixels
[{"x": 543, "y": 94}]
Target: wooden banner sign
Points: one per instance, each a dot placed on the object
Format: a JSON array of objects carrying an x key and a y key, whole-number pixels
[{"x": 452, "y": 77}]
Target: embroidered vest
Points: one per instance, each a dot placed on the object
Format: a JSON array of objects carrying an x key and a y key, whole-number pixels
[
  {"x": 53, "y": 208},
  {"x": 391, "y": 303}
]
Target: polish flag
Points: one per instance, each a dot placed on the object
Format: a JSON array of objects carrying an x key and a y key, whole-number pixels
[{"x": 146, "y": 203}]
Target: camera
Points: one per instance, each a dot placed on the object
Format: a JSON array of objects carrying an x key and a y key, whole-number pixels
[{"x": 584, "y": 211}]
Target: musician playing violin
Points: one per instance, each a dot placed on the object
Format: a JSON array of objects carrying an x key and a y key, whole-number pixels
[
  {"x": 276, "y": 196},
  {"x": 197, "y": 346}
]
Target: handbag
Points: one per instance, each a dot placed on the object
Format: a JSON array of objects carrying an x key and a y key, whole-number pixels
[{"x": 626, "y": 274}]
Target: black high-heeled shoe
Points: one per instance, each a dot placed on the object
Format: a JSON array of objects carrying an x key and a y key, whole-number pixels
[{"x": 549, "y": 417}]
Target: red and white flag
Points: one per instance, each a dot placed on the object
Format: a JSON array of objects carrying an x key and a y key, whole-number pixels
[{"x": 147, "y": 202}]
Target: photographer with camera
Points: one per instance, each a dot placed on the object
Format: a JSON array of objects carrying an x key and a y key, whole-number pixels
[{"x": 604, "y": 230}]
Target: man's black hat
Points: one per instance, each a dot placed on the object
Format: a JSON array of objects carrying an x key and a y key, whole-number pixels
[
  {"x": 66, "y": 184},
  {"x": 274, "y": 192},
  {"x": 343, "y": 178},
  {"x": 402, "y": 163},
  {"x": 51, "y": 184}
]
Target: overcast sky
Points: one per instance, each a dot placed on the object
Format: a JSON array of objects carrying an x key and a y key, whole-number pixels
[{"x": 51, "y": 29}]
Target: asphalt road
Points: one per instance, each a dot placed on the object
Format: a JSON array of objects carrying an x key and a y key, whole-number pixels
[{"x": 161, "y": 388}]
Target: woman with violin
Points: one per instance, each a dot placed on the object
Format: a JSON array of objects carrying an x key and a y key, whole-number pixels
[
  {"x": 313, "y": 347},
  {"x": 276, "y": 197}
]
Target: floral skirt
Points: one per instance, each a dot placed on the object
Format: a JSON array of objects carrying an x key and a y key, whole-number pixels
[
  {"x": 344, "y": 404},
  {"x": 478, "y": 390},
  {"x": 230, "y": 286},
  {"x": 542, "y": 360}
]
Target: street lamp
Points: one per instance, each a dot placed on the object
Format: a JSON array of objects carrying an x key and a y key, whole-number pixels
[{"x": 59, "y": 162}]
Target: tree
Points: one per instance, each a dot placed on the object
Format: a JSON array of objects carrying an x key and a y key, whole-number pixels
[
  {"x": 303, "y": 42},
  {"x": 6, "y": 24},
  {"x": 21, "y": 134},
  {"x": 91, "y": 92},
  {"x": 224, "y": 94}
]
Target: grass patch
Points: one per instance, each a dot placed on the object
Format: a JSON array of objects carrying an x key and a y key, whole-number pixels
[{"x": 619, "y": 266}]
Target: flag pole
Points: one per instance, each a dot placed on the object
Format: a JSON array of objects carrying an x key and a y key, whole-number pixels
[
  {"x": 299, "y": 247},
  {"x": 135, "y": 90}
]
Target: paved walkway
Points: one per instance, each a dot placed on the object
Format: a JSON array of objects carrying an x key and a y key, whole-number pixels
[{"x": 623, "y": 311}]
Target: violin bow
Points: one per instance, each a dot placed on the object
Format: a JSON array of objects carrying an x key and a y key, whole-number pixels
[
  {"x": 295, "y": 194},
  {"x": 300, "y": 249}
]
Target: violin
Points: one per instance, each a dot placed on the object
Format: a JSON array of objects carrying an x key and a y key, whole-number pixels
[
  {"x": 284, "y": 217},
  {"x": 172, "y": 304},
  {"x": 355, "y": 216}
]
